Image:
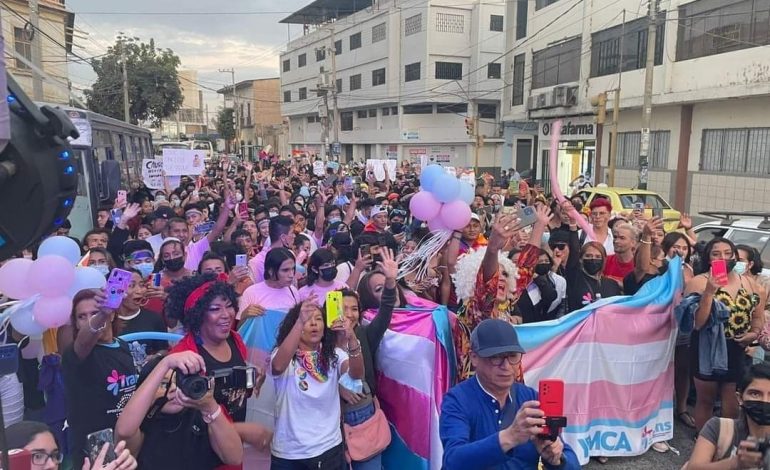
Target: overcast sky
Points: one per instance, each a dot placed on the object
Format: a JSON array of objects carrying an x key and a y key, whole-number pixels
[{"x": 206, "y": 35}]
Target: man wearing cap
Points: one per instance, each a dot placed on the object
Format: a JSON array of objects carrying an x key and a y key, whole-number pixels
[
  {"x": 160, "y": 219},
  {"x": 378, "y": 220},
  {"x": 491, "y": 422}
]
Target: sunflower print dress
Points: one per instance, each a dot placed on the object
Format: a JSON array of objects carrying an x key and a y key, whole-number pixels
[{"x": 739, "y": 322}]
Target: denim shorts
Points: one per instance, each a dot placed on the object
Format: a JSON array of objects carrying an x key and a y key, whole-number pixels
[{"x": 356, "y": 417}]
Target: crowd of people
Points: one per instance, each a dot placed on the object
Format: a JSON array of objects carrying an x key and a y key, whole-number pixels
[{"x": 243, "y": 240}]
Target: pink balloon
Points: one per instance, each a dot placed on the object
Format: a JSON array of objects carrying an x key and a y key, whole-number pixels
[
  {"x": 455, "y": 215},
  {"x": 424, "y": 206},
  {"x": 554, "y": 175},
  {"x": 52, "y": 312},
  {"x": 13, "y": 279},
  {"x": 437, "y": 225},
  {"x": 51, "y": 276}
]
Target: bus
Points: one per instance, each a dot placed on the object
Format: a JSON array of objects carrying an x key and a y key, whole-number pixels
[{"x": 109, "y": 157}]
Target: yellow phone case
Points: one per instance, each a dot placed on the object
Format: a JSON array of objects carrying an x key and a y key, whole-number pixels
[{"x": 334, "y": 307}]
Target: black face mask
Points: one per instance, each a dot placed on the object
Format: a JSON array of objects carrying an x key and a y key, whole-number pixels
[
  {"x": 758, "y": 411},
  {"x": 328, "y": 274},
  {"x": 731, "y": 265},
  {"x": 592, "y": 266},
  {"x": 663, "y": 268},
  {"x": 174, "y": 264},
  {"x": 541, "y": 269},
  {"x": 396, "y": 228}
]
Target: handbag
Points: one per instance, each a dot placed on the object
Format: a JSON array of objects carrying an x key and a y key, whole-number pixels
[{"x": 369, "y": 438}]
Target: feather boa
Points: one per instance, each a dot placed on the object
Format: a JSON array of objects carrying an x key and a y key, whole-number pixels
[{"x": 467, "y": 269}]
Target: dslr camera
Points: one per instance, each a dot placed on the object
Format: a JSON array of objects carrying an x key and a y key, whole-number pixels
[
  {"x": 195, "y": 386},
  {"x": 762, "y": 446}
]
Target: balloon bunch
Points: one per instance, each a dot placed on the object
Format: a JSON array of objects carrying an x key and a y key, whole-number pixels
[
  {"x": 444, "y": 201},
  {"x": 46, "y": 286}
]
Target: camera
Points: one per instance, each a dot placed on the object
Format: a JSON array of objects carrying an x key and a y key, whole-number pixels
[
  {"x": 195, "y": 386},
  {"x": 762, "y": 446}
]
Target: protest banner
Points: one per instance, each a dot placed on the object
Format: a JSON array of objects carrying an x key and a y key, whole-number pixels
[{"x": 180, "y": 162}]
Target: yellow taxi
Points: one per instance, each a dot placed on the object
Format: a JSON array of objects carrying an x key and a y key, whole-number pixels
[{"x": 626, "y": 200}]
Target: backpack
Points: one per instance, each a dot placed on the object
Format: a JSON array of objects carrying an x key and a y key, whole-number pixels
[{"x": 725, "y": 440}]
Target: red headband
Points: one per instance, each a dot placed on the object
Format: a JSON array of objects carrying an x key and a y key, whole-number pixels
[{"x": 200, "y": 291}]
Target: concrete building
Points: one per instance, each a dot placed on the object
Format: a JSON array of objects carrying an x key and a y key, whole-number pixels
[
  {"x": 259, "y": 115},
  {"x": 405, "y": 74},
  {"x": 191, "y": 117},
  {"x": 56, "y": 29},
  {"x": 709, "y": 140}
]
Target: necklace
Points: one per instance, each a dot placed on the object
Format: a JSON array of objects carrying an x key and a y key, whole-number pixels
[{"x": 311, "y": 362}]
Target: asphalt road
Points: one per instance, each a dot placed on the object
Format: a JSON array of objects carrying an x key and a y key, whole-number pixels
[{"x": 683, "y": 442}]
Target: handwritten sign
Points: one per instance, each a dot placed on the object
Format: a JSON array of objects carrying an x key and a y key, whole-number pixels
[
  {"x": 179, "y": 162},
  {"x": 152, "y": 174},
  {"x": 319, "y": 168},
  {"x": 378, "y": 168}
]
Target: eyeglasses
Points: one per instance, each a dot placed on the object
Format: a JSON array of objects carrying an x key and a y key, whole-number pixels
[
  {"x": 512, "y": 359},
  {"x": 558, "y": 246},
  {"x": 40, "y": 458}
]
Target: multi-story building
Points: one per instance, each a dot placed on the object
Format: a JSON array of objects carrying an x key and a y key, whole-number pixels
[
  {"x": 709, "y": 142},
  {"x": 190, "y": 119},
  {"x": 55, "y": 34},
  {"x": 258, "y": 109},
  {"x": 405, "y": 76}
]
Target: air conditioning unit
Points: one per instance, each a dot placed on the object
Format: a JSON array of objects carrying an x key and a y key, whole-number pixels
[
  {"x": 572, "y": 96},
  {"x": 539, "y": 101},
  {"x": 324, "y": 80},
  {"x": 559, "y": 96}
]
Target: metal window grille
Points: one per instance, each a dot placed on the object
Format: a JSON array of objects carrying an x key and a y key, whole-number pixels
[
  {"x": 378, "y": 77},
  {"x": 413, "y": 24},
  {"x": 355, "y": 82},
  {"x": 378, "y": 32},
  {"x": 412, "y": 72},
  {"x": 449, "y": 70},
  {"x": 496, "y": 22},
  {"x": 736, "y": 150},
  {"x": 449, "y": 23},
  {"x": 355, "y": 41},
  {"x": 630, "y": 144},
  {"x": 302, "y": 60}
]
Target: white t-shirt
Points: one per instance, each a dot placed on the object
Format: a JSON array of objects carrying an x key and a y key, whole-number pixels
[
  {"x": 343, "y": 271},
  {"x": 608, "y": 244},
  {"x": 307, "y": 422}
]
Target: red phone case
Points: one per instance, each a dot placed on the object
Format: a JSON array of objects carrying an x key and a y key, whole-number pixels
[
  {"x": 719, "y": 269},
  {"x": 551, "y": 397}
]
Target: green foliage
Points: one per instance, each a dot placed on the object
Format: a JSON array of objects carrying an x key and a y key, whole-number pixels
[
  {"x": 224, "y": 124},
  {"x": 154, "y": 91}
]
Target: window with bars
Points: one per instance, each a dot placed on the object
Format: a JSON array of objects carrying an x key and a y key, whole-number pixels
[
  {"x": 556, "y": 64},
  {"x": 493, "y": 70},
  {"x": 378, "y": 32},
  {"x": 338, "y": 47},
  {"x": 605, "y": 47},
  {"x": 412, "y": 72},
  {"x": 378, "y": 77},
  {"x": 346, "y": 121},
  {"x": 449, "y": 23},
  {"x": 313, "y": 118},
  {"x": 709, "y": 27},
  {"x": 287, "y": 96},
  {"x": 373, "y": 112},
  {"x": 355, "y": 41},
  {"x": 413, "y": 24},
  {"x": 745, "y": 151},
  {"x": 394, "y": 111},
  {"x": 361, "y": 114},
  {"x": 301, "y": 60},
  {"x": 449, "y": 70},
  {"x": 320, "y": 54},
  {"x": 630, "y": 145},
  {"x": 303, "y": 93},
  {"x": 517, "y": 98},
  {"x": 487, "y": 111},
  {"x": 355, "y": 82},
  {"x": 418, "y": 109},
  {"x": 456, "y": 108},
  {"x": 287, "y": 65},
  {"x": 496, "y": 22},
  {"x": 522, "y": 11},
  {"x": 386, "y": 111},
  {"x": 23, "y": 45}
]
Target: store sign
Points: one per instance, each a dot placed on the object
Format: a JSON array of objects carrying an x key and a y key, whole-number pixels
[
  {"x": 391, "y": 152},
  {"x": 571, "y": 129},
  {"x": 410, "y": 135}
]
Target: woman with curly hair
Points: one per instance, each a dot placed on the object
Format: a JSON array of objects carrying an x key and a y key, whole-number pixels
[
  {"x": 306, "y": 369},
  {"x": 205, "y": 306}
]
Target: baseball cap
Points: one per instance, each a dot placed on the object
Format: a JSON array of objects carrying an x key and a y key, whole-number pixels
[
  {"x": 492, "y": 337},
  {"x": 164, "y": 212},
  {"x": 475, "y": 216}
]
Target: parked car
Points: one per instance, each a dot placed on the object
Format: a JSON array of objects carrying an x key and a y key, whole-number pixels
[
  {"x": 623, "y": 200},
  {"x": 742, "y": 228}
]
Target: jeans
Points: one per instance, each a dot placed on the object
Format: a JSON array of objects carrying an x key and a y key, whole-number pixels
[
  {"x": 332, "y": 459},
  {"x": 354, "y": 418}
]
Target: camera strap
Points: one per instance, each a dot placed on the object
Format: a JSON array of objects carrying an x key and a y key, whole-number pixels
[{"x": 159, "y": 403}]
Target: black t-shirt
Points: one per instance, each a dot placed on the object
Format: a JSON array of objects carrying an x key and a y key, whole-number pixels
[
  {"x": 97, "y": 389},
  {"x": 583, "y": 289},
  {"x": 177, "y": 442},
  {"x": 631, "y": 286},
  {"x": 145, "y": 321},
  {"x": 233, "y": 399}
]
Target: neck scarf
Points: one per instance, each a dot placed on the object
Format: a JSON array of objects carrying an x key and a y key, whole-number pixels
[{"x": 311, "y": 362}]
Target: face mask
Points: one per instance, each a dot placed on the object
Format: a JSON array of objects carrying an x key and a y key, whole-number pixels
[
  {"x": 396, "y": 227},
  {"x": 238, "y": 197},
  {"x": 145, "y": 268},
  {"x": 175, "y": 202},
  {"x": 334, "y": 220},
  {"x": 301, "y": 269},
  {"x": 663, "y": 268},
  {"x": 328, "y": 274},
  {"x": 740, "y": 268},
  {"x": 592, "y": 266},
  {"x": 541, "y": 269},
  {"x": 102, "y": 268},
  {"x": 757, "y": 411},
  {"x": 160, "y": 198},
  {"x": 304, "y": 191},
  {"x": 578, "y": 207},
  {"x": 273, "y": 214},
  {"x": 544, "y": 239},
  {"x": 731, "y": 265},
  {"x": 174, "y": 264}
]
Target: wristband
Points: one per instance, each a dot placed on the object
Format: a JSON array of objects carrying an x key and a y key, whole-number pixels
[
  {"x": 210, "y": 417},
  {"x": 96, "y": 330}
]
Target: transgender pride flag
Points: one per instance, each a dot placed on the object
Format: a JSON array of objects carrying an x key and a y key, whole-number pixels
[{"x": 616, "y": 359}]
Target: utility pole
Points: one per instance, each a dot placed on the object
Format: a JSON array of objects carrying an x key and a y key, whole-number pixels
[
  {"x": 333, "y": 84},
  {"x": 37, "y": 50},
  {"x": 231, "y": 71},
  {"x": 126, "y": 107},
  {"x": 616, "y": 110},
  {"x": 647, "y": 109}
]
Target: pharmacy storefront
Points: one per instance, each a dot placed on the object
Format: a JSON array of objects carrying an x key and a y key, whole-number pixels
[{"x": 577, "y": 150}]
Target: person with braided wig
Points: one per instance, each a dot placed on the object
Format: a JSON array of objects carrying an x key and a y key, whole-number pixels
[{"x": 205, "y": 306}]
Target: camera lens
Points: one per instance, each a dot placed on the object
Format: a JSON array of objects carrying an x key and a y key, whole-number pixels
[{"x": 193, "y": 386}]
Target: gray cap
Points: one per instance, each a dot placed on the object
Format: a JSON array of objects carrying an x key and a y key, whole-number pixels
[{"x": 492, "y": 337}]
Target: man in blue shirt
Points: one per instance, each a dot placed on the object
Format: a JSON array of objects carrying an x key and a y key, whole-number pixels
[{"x": 490, "y": 422}]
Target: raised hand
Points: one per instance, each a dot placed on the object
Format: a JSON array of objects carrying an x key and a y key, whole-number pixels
[
  {"x": 388, "y": 265},
  {"x": 652, "y": 227},
  {"x": 685, "y": 221}
]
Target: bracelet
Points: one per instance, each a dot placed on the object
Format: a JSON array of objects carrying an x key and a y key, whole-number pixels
[
  {"x": 646, "y": 242},
  {"x": 96, "y": 330},
  {"x": 356, "y": 354},
  {"x": 209, "y": 418}
]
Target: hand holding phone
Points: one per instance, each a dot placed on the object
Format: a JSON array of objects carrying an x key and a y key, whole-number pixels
[
  {"x": 121, "y": 198},
  {"x": 96, "y": 441},
  {"x": 240, "y": 260},
  {"x": 117, "y": 287},
  {"x": 719, "y": 272},
  {"x": 551, "y": 396},
  {"x": 334, "y": 307}
]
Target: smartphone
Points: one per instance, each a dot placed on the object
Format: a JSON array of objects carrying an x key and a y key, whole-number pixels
[
  {"x": 719, "y": 271},
  {"x": 639, "y": 206},
  {"x": 366, "y": 250},
  {"x": 122, "y": 196},
  {"x": 204, "y": 227},
  {"x": 334, "y": 307},
  {"x": 18, "y": 459},
  {"x": 96, "y": 440},
  {"x": 156, "y": 279},
  {"x": 9, "y": 359},
  {"x": 551, "y": 397},
  {"x": 527, "y": 216},
  {"x": 115, "y": 215},
  {"x": 658, "y": 212},
  {"x": 117, "y": 287},
  {"x": 348, "y": 184},
  {"x": 240, "y": 260},
  {"x": 243, "y": 210}
]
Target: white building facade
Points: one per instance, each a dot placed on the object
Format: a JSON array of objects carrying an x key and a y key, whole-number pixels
[
  {"x": 408, "y": 75},
  {"x": 709, "y": 139}
]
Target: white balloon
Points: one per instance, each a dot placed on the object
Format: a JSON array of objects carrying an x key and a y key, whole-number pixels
[{"x": 87, "y": 278}]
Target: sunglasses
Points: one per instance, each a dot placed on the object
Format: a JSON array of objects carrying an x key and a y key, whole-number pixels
[{"x": 558, "y": 246}]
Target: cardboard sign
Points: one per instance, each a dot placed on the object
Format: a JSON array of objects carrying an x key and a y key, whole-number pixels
[
  {"x": 152, "y": 174},
  {"x": 378, "y": 168},
  {"x": 319, "y": 169},
  {"x": 180, "y": 162}
]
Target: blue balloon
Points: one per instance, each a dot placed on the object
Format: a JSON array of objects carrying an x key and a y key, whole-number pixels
[
  {"x": 151, "y": 336},
  {"x": 61, "y": 246},
  {"x": 87, "y": 278},
  {"x": 428, "y": 176},
  {"x": 446, "y": 188},
  {"x": 467, "y": 193}
]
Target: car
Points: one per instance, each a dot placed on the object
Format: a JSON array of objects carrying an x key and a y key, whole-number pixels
[
  {"x": 742, "y": 228},
  {"x": 623, "y": 200}
]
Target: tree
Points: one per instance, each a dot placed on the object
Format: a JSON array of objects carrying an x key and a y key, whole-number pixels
[
  {"x": 153, "y": 82},
  {"x": 225, "y": 124}
]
